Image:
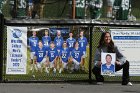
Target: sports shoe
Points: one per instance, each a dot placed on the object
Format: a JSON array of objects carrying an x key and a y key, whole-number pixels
[
  {"x": 129, "y": 84},
  {"x": 33, "y": 76},
  {"x": 47, "y": 71},
  {"x": 60, "y": 71},
  {"x": 99, "y": 83},
  {"x": 54, "y": 71}
]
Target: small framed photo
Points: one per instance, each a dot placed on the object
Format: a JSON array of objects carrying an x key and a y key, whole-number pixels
[{"x": 108, "y": 63}]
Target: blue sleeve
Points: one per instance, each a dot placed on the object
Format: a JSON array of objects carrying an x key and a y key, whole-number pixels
[
  {"x": 72, "y": 53},
  {"x": 55, "y": 40},
  {"x": 67, "y": 41},
  {"x": 56, "y": 52},
  {"x": 78, "y": 40},
  {"x": 35, "y": 53},
  {"x": 29, "y": 41},
  {"x": 74, "y": 40},
  {"x": 50, "y": 39},
  {"x": 43, "y": 40},
  {"x": 62, "y": 40},
  {"x": 86, "y": 41},
  {"x": 37, "y": 39},
  {"x": 81, "y": 51}
]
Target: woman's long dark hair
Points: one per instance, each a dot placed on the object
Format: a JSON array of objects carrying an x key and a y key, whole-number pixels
[{"x": 110, "y": 46}]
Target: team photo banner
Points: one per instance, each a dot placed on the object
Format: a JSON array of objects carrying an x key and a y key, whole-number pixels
[{"x": 16, "y": 50}]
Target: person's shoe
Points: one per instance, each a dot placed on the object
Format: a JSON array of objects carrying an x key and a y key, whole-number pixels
[
  {"x": 129, "y": 84},
  {"x": 33, "y": 76},
  {"x": 54, "y": 71},
  {"x": 99, "y": 83},
  {"x": 60, "y": 71}
]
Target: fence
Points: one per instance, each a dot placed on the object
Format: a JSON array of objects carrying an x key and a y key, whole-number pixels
[{"x": 93, "y": 30}]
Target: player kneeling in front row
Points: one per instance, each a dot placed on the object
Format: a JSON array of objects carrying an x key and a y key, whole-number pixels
[
  {"x": 40, "y": 56},
  {"x": 77, "y": 54},
  {"x": 52, "y": 56},
  {"x": 64, "y": 58}
]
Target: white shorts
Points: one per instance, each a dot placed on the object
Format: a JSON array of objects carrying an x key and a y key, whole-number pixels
[
  {"x": 30, "y": 7},
  {"x": 39, "y": 64},
  {"x": 75, "y": 62},
  {"x": 110, "y": 3},
  {"x": 32, "y": 54}
]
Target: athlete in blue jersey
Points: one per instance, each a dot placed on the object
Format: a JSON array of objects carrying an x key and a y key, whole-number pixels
[
  {"x": 33, "y": 43},
  {"x": 40, "y": 56},
  {"x": 70, "y": 42},
  {"x": 64, "y": 57},
  {"x": 82, "y": 41},
  {"x": 83, "y": 44},
  {"x": 58, "y": 41},
  {"x": 52, "y": 56},
  {"x": 77, "y": 54},
  {"x": 46, "y": 39}
]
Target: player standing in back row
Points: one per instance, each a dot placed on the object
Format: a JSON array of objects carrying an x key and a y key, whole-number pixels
[
  {"x": 70, "y": 42},
  {"x": 82, "y": 44},
  {"x": 46, "y": 39},
  {"x": 33, "y": 43},
  {"x": 58, "y": 41}
]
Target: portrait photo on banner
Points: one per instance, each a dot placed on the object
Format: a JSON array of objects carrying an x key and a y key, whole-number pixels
[{"x": 108, "y": 63}]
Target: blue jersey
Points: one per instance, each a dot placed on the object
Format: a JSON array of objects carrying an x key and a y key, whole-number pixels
[
  {"x": 82, "y": 43},
  {"x": 65, "y": 54},
  {"x": 70, "y": 43},
  {"x": 33, "y": 43},
  {"x": 46, "y": 41},
  {"x": 52, "y": 54},
  {"x": 40, "y": 53},
  {"x": 58, "y": 42},
  {"x": 110, "y": 69},
  {"x": 77, "y": 54}
]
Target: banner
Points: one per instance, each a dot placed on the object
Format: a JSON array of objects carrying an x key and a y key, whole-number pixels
[
  {"x": 128, "y": 41},
  {"x": 16, "y": 50}
]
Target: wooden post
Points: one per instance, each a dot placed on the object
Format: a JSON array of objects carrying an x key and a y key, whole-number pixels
[{"x": 73, "y": 8}]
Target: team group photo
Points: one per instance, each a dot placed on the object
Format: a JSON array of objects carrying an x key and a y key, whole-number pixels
[{"x": 55, "y": 54}]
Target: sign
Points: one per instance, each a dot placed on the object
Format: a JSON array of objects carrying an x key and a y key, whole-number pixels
[
  {"x": 108, "y": 63},
  {"x": 128, "y": 41},
  {"x": 16, "y": 50}
]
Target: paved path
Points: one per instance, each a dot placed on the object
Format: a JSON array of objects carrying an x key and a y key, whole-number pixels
[{"x": 67, "y": 88}]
